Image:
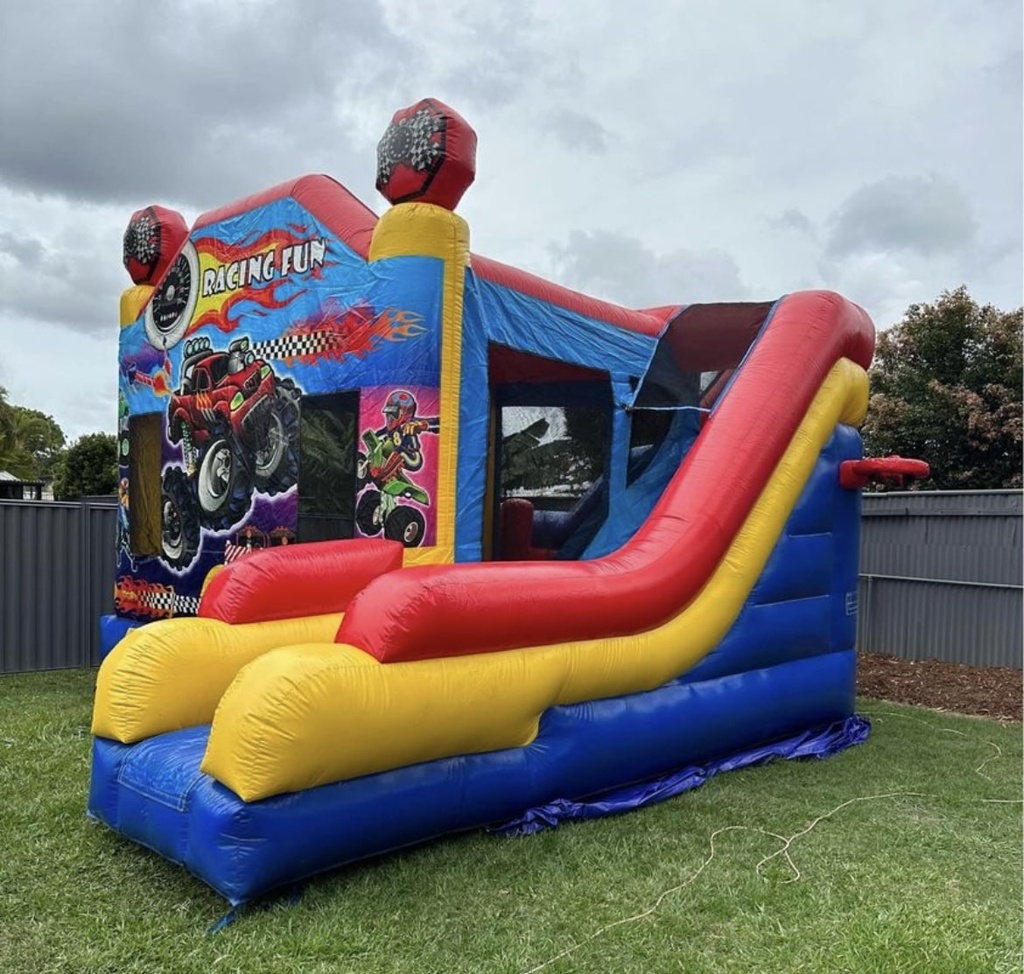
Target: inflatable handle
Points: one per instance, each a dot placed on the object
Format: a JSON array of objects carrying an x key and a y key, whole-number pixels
[
  {"x": 855, "y": 474},
  {"x": 289, "y": 582}
]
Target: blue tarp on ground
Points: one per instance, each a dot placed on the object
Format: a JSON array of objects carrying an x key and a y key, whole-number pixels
[{"x": 820, "y": 743}]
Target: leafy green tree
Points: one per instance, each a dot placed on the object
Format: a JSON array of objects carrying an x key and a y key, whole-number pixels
[
  {"x": 946, "y": 388},
  {"x": 40, "y": 436},
  {"x": 30, "y": 441},
  {"x": 9, "y": 457},
  {"x": 519, "y": 467},
  {"x": 571, "y": 462},
  {"x": 87, "y": 468}
]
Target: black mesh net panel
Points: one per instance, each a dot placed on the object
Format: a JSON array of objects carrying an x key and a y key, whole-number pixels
[
  {"x": 552, "y": 465},
  {"x": 552, "y": 454},
  {"x": 145, "y": 437},
  {"x": 327, "y": 466},
  {"x": 551, "y": 443},
  {"x": 702, "y": 344}
]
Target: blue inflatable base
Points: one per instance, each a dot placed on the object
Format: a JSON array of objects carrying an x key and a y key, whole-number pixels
[
  {"x": 154, "y": 793},
  {"x": 112, "y": 630}
]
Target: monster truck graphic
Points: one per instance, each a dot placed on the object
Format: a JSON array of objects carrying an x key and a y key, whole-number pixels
[{"x": 237, "y": 424}]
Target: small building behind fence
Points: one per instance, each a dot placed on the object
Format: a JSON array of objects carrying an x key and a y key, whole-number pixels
[{"x": 14, "y": 488}]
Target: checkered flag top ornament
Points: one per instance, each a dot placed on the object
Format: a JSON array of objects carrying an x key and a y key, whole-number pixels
[
  {"x": 154, "y": 236},
  {"x": 427, "y": 154}
]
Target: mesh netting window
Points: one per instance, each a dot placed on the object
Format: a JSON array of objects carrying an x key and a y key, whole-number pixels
[
  {"x": 552, "y": 454},
  {"x": 327, "y": 466}
]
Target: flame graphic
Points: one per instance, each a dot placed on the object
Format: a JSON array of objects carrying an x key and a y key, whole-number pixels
[
  {"x": 158, "y": 380},
  {"x": 220, "y": 316},
  {"x": 160, "y": 384},
  {"x": 356, "y": 331},
  {"x": 217, "y": 309},
  {"x": 135, "y": 594}
]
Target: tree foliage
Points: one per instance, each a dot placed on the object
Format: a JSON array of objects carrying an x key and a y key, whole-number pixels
[
  {"x": 535, "y": 460},
  {"x": 30, "y": 441},
  {"x": 40, "y": 436},
  {"x": 946, "y": 388},
  {"x": 88, "y": 468}
]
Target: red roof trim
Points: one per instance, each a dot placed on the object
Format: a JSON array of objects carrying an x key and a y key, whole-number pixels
[{"x": 351, "y": 220}]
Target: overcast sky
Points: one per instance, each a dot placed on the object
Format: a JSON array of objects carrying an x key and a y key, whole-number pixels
[{"x": 647, "y": 152}]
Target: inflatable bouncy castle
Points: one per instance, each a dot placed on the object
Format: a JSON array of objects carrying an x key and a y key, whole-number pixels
[{"x": 413, "y": 542}]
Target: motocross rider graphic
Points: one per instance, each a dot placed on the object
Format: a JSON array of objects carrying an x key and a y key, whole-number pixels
[
  {"x": 402, "y": 429},
  {"x": 393, "y": 451}
]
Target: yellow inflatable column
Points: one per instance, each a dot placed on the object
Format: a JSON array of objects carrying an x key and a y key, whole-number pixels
[
  {"x": 426, "y": 160},
  {"x": 133, "y": 301},
  {"x": 428, "y": 230}
]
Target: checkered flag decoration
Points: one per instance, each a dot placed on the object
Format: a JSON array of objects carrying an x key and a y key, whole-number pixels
[
  {"x": 287, "y": 348},
  {"x": 169, "y": 603},
  {"x": 154, "y": 235},
  {"x": 232, "y": 552}
]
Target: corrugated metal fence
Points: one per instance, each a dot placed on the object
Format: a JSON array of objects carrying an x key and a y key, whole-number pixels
[
  {"x": 56, "y": 579},
  {"x": 941, "y": 576}
]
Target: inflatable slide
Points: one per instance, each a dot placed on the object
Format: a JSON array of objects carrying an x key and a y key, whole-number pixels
[{"x": 413, "y": 542}]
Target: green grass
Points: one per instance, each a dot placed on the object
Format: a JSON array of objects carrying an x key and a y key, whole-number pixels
[{"x": 928, "y": 884}]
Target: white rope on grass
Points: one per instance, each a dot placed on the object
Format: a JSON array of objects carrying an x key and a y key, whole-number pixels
[
  {"x": 991, "y": 757},
  {"x": 657, "y": 903},
  {"x": 949, "y": 730},
  {"x": 787, "y": 842},
  {"x": 821, "y": 818}
]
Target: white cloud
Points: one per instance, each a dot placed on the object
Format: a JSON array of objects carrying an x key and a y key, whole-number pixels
[
  {"x": 622, "y": 269},
  {"x": 925, "y": 215}
]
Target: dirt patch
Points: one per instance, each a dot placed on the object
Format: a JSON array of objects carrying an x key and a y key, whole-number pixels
[{"x": 984, "y": 691}]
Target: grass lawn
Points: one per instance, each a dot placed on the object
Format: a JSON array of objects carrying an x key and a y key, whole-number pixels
[{"x": 926, "y": 881}]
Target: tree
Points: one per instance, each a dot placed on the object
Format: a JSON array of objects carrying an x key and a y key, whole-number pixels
[
  {"x": 40, "y": 436},
  {"x": 9, "y": 455},
  {"x": 87, "y": 468},
  {"x": 946, "y": 388},
  {"x": 30, "y": 441}
]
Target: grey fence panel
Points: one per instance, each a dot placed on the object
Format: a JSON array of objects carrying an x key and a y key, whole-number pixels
[
  {"x": 974, "y": 502},
  {"x": 56, "y": 580},
  {"x": 980, "y": 626},
  {"x": 966, "y": 537},
  {"x": 941, "y": 576}
]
